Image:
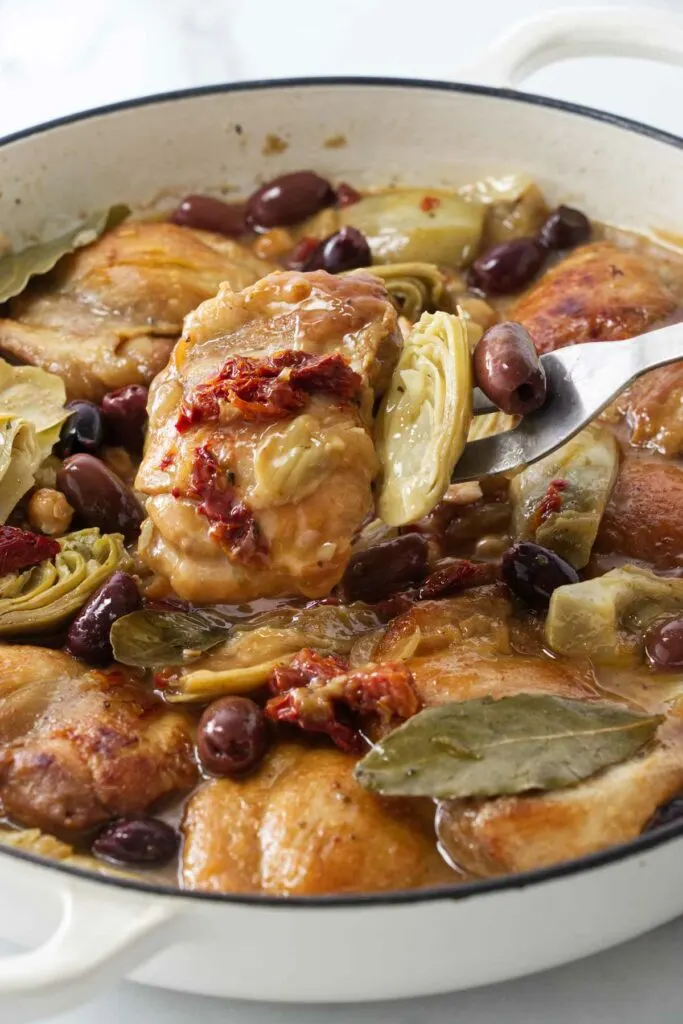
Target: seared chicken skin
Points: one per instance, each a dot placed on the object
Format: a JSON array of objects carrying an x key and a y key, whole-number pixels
[
  {"x": 302, "y": 826},
  {"x": 599, "y": 293},
  {"x": 259, "y": 461},
  {"x": 108, "y": 315},
  {"x": 78, "y": 747},
  {"x": 604, "y": 293}
]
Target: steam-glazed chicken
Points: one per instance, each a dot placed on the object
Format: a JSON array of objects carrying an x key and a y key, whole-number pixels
[
  {"x": 109, "y": 314},
  {"x": 394, "y": 682},
  {"x": 260, "y": 461},
  {"x": 79, "y": 747}
]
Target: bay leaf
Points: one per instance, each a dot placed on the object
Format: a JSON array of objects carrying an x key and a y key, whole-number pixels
[
  {"x": 16, "y": 268},
  {"x": 149, "y": 638},
  {"x": 487, "y": 747}
]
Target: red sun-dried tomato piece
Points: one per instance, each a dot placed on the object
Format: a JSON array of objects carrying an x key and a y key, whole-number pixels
[
  {"x": 459, "y": 574},
  {"x": 386, "y": 691},
  {"x": 347, "y": 195},
  {"x": 551, "y": 502},
  {"x": 429, "y": 203},
  {"x": 20, "y": 549}
]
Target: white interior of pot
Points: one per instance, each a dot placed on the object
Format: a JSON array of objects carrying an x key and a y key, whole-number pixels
[{"x": 417, "y": 135}]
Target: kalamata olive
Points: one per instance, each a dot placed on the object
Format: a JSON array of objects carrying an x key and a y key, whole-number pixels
[
  {"x": 507, "y": 369},
  {"x": 99, "y": 496},
  {"x": 231, "y": 736},
  {"x": 565, "y": 228},
  {"x": 136, "y": 841},
  {"x": 532, "y": 573},
  {"x": 666, "y": 814},
  {"x": 664, "y": 644},
  {"x": 209, "y": 214},
  {"x": 373, "y": 574},
  {"x": 508, "y": 266},
  {"x": 347, "y": 249},
  {"x": 306, "y": 255},
  {"x": 124, "y": 412},
  {"x": 82, "y": 431},
  {"x": 288, "y": 199},
  {"x": 88, "y": 636}
]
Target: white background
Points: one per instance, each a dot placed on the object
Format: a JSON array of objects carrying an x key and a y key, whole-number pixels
[{"x": 58, "y": 56}]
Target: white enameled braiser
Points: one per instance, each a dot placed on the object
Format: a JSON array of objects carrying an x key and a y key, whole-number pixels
[{"x": 87, "y": 932}]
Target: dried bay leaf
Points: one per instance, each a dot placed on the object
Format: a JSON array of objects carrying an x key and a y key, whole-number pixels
[
  {"x": 487, "y": 747},
  {"x": 16, "y": 268}
]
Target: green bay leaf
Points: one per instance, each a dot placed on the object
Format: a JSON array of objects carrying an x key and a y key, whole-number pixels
[
  {"x": 487, "y": 747},
  {"x": 149, "y": 638},
  {"x": 16, "y": 268}
]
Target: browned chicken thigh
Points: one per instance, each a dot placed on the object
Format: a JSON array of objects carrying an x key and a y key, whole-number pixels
[
  {"x": 109, "y": 314},
  {"x": 259, "y": 461},
  {"x": 78, "y": 747},
  {"x": 302, "y": 826}
]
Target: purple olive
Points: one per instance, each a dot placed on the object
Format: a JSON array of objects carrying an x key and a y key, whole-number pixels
[
  {"x": 208, "y": 214},
  {"x": 664, "y": 644},
  {"x": 232, "y": 736},
  {"x": 88, "y": 636},
  {"x": 373, "y": 574},
  {"x": 288, "y": 199},
  {"x": 82, "y": 431},
  {"x": 565, "y": 228},
  {"x": 507, "y": 369},
  {"x": 507, "y": 267},
  {"x": 532, "y": 573},
  {"x": 124, "y": 412},
  {"x": 99, "y": 496},
  {"x": 136, "y": 841},
  {"x": 346, "y": 250}
]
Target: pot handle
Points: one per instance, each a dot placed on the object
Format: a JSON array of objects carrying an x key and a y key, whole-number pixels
[
  {"x": 577, "y": 32},
  {"x": 97, "y": 942}
]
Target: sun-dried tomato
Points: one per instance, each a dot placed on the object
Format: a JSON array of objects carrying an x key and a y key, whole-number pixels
[
  {"x": 386, "y": 691},
  {"x": 459, "y": 574},
  {"x": 306, "y": 666},
  {"x": 300, "y": 256},
  {"x": 233, "y": 525},
  {"x": 347, "y": 195},
  {"x": 429, "y": 203},
  {"x": 551, "y": 503},
  {"x": 271, "y": 388},
  {"x": 20, "y": 549}
]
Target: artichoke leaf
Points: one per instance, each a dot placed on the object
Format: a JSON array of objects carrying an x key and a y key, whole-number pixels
[
  {"x": 49, "y": 594},
  {"x": 399, "y": 228},
  {"x": 515, "y": 207},
  {"x": 253, "y": 649},
  {"x": 20, "y": 457},
  {"x": 17, "y": 268},
  {"x": 150, "y": 638},
  {"x": 34, "y": 395},
  {"x": 487, "y": 748},
  {"x": 424, "y": 418},
  {"x": 598, "y": 617},
  {"x": 579, "y": 478},
  {"x": 491, "y": 423},
  {"x": 414, "y": 288}
]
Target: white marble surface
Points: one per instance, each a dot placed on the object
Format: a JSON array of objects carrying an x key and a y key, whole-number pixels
[{"x": 58, "y": 56}]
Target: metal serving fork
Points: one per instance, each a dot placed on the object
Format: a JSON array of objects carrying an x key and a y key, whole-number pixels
[{"x": 582, "y": 381}]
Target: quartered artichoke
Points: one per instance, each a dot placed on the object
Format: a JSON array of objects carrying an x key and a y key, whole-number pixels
[
  {"x": 601, "y": 618},
  {"x": 31, "y": 415},
  {"x": 47, "y": 595},
  {"x": 252, "y": 651},
  {"x": 415, "y": 288},
  {"x": 400, "y": 228},
  {"x": 424, "y": 419},
  {"x": 515, "y": 207},
  {"x": 491, "y": 423},
  {"x": 582, "y": 474}
]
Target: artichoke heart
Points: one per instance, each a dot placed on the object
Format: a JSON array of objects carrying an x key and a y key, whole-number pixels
[
  {"x": 601, "y": 618},
  {"x": 415, "y": 288},
  {"x": 424, "y": 419},
  {"x": 491, "y": 423},
  {"x": 401, "y": 228},
  {"x": 250, "y": 654},
  {"x": 47, "y": 595},
  {"x": 293, "y": 460},
  {"x": 559, "y": 501},
  {"x": 31, "y": 415}
]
